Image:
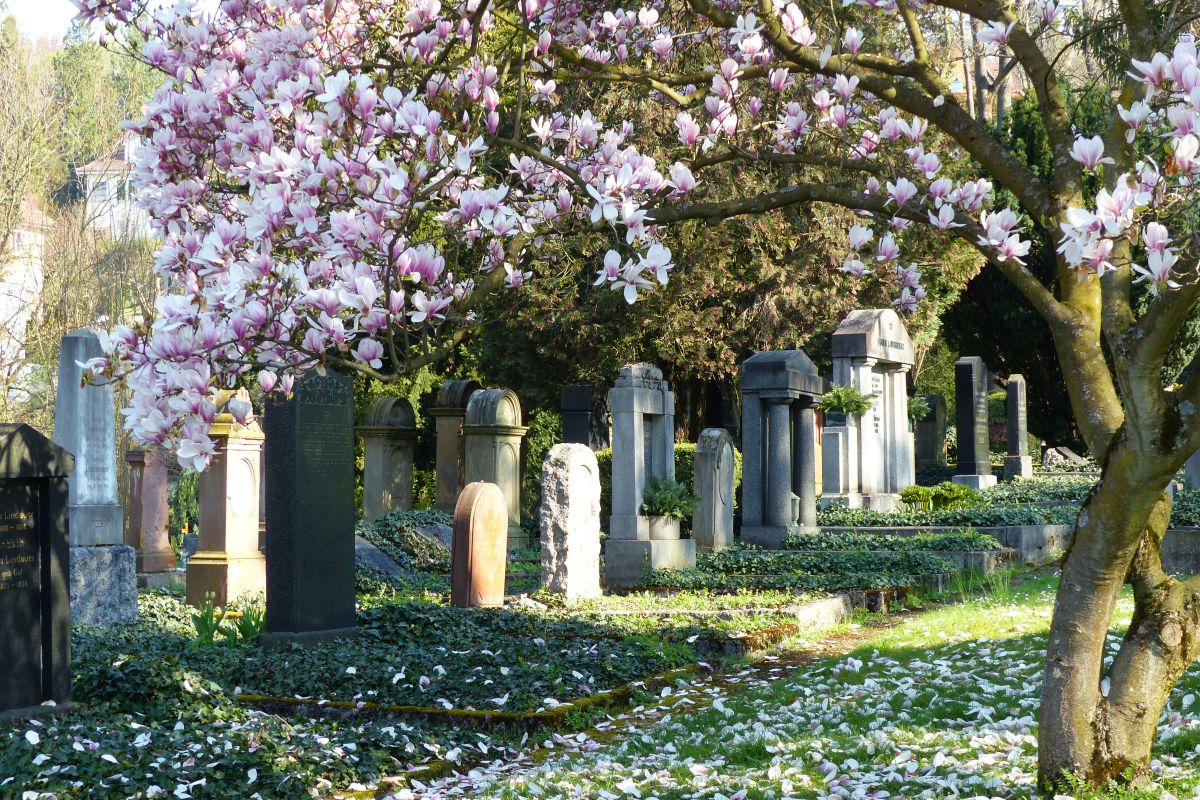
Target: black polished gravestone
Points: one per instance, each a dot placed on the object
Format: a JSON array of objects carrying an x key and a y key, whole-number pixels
[
  {"x": 309, "y": 479},
  {"x": 35, "y": 603}
]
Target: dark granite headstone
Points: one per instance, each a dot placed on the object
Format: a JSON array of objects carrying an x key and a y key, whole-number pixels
[
  {"x": 191, "y": 543},
  {"x": 35, "y": 610},
  {"x": 585, "y": 417},
  {"x": 931, "y": 433},
  {"x": 970, "y": 416},
  {"x": 309, "y": 479}
]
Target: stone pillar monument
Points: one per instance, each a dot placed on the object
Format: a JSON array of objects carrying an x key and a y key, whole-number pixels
[
  {"x": 712, "y": 486},
  {"x": 228, "y": 562},
  {"x": 148, "y": 513},
  {"x": 448, "y": 416},
  {"x": 570, "y": 522},
  {"x": 869, "y": 459},
  {"x": 779, "y": 432},
  {"x": 492, "y": 433},
  {"x": 970, "y": 416},
  {"x": 931, "y": 433},
  {"x": 389, "y": 438},
  {"x": 585, "y": 416},
  {"x": 1017, "y": 463},
  {"x": 643, "y": 414},
  {"x": 103, "y": 568}
]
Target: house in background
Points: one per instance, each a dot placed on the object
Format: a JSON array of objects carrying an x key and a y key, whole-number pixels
[
  {"x": 108, "y": 191},
  {"x": 22, "y": 278}
]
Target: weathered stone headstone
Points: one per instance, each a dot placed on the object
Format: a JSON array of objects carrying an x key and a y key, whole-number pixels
[
  {"x": 585, "y": 416},
  {"x": 479, "y": 555},
  {"x": 970, "y": 415},
  {"x": 310, "y": 510},
  {"x": 228, "y": 563},
  {"x": 1017, "y": 463},
  {"x": 448, "y": 414},
  {"x": 389, "y": 438},
  {"x": 570, "y": 522},
  {"x": 35, "y": 617},
  {"x": 712, "y": 486},
  {"x": 189, "y": 546},
  {"x": 146, "y": 518},
  {"x": 931, "y": 433},
  {"x": 103, "y": 568},
  {"x": 779, "y": 443},
  {"x": 492, "y": 434},
  {"x": 869, "y": 458},
  {"x": 643, "y": 414}
]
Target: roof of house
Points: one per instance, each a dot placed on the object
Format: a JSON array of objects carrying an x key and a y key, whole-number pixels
[{"x": 112, "y": 162}]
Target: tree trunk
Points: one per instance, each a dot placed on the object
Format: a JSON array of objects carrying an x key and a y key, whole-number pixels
[{"x": 1096, "y": 724}]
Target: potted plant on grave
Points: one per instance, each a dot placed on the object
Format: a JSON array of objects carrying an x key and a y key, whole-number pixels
[
  {"x": 666, "y": 501},
  {"x": 845, "y": 401}
]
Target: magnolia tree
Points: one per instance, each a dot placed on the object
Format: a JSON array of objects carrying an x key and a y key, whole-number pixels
[{"x": 337, "y": 183}]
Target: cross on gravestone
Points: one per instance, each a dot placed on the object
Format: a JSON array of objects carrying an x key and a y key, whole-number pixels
[
  {"x": 569, "y": 517},
  {"x": 1017, "y": 463},
  {"x": 585, "y": 417},
  {"x": 712, "y": 486},
  {"x": 389, "y": 437},
  {"x": 448, "y": 413},
  {"x": 479, "y": 553},
  {"x": 931, "y": 433},
  {"x": 970, "y": 414},
  {"x": 869, "y": 458},
  {"x": 779, "y": 442},
  {"x": 310, "y": 511},
  {"x": 103, "y": 568},
  {"x": 35, "y": 616},
  {"x": 643, "y": 414}
]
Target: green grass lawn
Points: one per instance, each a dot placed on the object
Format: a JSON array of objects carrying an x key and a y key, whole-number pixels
[{"x": 942, "y": 705}]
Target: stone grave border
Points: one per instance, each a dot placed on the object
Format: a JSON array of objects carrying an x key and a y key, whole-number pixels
[{"x": 1035, "y": 544}]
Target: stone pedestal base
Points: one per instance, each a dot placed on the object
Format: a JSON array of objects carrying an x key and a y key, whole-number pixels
[
  {"x": 771, "y": 536},
  {"x": 103, "y": 584},
  {"x": 1018, "y": 467},
  {"x": 96, "y": 525},
  {"x": 280, "y": 639},
  {"x": 159, "y": 580},
  {"x": 976, "y": 482},
  {"x": 155, "y": 561},
  {"x": 628, "y": 526},
  {"x": 881, "y": 502},
  {"x": 227, "y": 575},
  {"x": 628, "y": 561}
]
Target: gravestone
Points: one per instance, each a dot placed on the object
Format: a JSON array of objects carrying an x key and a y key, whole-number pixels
[
  {"x": 389, "y": 438},
  {"x": 448, "y": 415},
  {"x": 228, "y": 563},
  {"x": 780, "y": 389},
  {"x": 570, "y": 522},
  {"x": 1017, "y": 463},
  {"x": 712, "y": 486},
  {"x": 146, "y": 520},
  {"x": 585, "y": 416},
  {"x": 310, "y": 510},
  {"x": 103, "y": 568},
  {"x": 480, "y": 551},
  {"x": 869, "y": 458},
  {"x": 492, "y": 434},
  {"x": 189, "y": 546},
  {"x": 643, "y": 415},
  {"x": 35, "y": 616},
  {"x": 1191, "y": 471},
  {"x": 931, "y": 433},
  {"x": 970, "y": 415}
]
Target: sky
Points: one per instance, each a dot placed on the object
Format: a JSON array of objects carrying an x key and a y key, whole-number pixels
[{"x": 38, "y": 18}]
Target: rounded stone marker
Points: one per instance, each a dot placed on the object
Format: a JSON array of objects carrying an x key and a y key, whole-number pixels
[{"x": 478, "y": 554}]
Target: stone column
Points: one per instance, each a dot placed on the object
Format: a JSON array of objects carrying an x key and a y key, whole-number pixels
[
  {"x": 970, "y": 414},
  {"x": 389, "y": 439},
  {"x": 1017, "y": 463},
  {"x": 779, "y": 463},
  {"x": 712, "y": 486},
  {"x": 136, "y": 459},
  {"x": 492, "y": 433},
  {"x": 228, "y": 562},
  {"x": 155, "y": 558},
  {"x": 898, "y": 441},
  {"x": 804, "y": 464},
  {"x": 103, "y": 568},
  {"x": 448, "y": 416}
]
